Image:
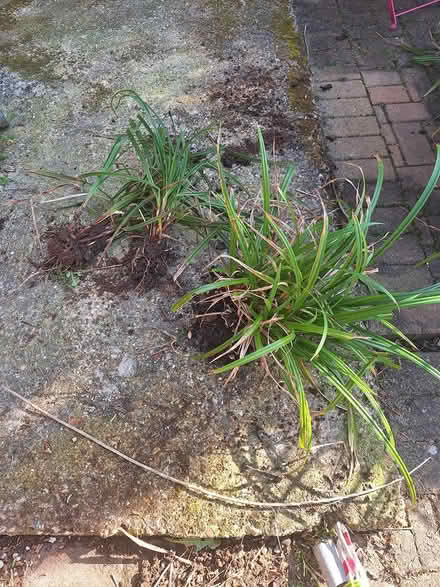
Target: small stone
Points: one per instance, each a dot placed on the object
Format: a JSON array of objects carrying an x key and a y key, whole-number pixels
[
  {"x": 2, "y": 564},
  {"x": 127, "y": 366},
  {"x": 433, "y": 450},
  {"x": 51, "y": 539},
  {"x": 74, "y": 439},
  {"x": 3, "y": 122}
]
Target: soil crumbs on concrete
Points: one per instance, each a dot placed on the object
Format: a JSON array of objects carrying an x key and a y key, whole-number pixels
[
  {"x": 76, "y": 247},
  {"x": 76, "y": 561}
]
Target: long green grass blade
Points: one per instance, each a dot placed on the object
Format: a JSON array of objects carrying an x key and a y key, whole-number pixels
[
  {"x": 295, "y": 386},
  {"x": 258, "y": 354},
  {"x": 364, "y": 413},
  {"x": 314, "y": 271},
  {"x": 265, "y": 181}
]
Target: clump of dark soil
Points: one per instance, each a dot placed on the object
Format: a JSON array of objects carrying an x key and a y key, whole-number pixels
[
  {"x": 268, "y": 561},
  {"x": 248, "y": 151},
  {"x": 213, "y": 325},
  {"x": 142, "y": 267},
  {"x": 74, "y": 246}
]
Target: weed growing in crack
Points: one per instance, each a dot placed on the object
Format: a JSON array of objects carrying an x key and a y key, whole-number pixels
[{"x": 298, "y": 310}]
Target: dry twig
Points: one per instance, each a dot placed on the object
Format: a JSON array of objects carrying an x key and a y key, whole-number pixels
[{"x": 201, "y": 490}]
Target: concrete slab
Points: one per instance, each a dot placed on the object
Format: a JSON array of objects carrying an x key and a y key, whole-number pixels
[
  {"x": 105, "y": 363},
  {"x": 425, "y": 527}
]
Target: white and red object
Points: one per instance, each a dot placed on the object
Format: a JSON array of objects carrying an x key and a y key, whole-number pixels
[{"x": 339, "y": 563}]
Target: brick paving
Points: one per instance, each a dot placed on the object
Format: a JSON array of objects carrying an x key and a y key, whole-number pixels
[{"x": 371, "y": 100}]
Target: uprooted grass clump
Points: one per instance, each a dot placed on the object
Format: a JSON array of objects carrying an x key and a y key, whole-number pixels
[
  {"x": 151, "y": 180},
  {"x": 428, "y": 57},
  {"x": 160, "y": 176},
  {"x": 299, "y": 310},
  {"x": 142, "y": 267},
  {"x": 72, "y": 246}
]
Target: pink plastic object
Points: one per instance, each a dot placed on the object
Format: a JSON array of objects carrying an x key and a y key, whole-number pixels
[{"x": 394, "y": 15}]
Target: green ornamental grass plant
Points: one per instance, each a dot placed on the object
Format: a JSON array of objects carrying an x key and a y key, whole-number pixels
[
  {"x": 298, "y": 307},
  {"x": 153, "y": 178},
  {"x": 427, "y": 58},
  {"x": 163, "y": 188}
]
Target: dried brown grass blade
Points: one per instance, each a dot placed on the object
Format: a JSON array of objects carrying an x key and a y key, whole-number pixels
[{"x": 153, "y": 547}]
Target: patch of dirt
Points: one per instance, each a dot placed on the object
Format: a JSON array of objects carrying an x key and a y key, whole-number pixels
[
  {"x": 72, "y": 246},
  {"x": 253, "y": 93},
  {"x": 140, "y": 269},
  {"x": 213, "y": 325},
  {"x": 271, "y": 561},
  {"x": 77, "y": 561},
  {"x": 248, "y": 151},
  {"x": 241, "y": 154}
]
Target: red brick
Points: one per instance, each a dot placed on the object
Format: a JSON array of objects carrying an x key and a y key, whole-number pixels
[
  {"x": 394, "y": 279},
  {"x": 347, "y": 107},
  {"x": 325, "y": 41},
  {"x": 386, "y": 220},
  {"x": 418, "y": 322},
  {"x": 417, "y": 83},
  {"x": 381, "y": 78},
  {"x": 406, "y": 251},
  {"x": 407, "y": 112},
  {"x": 357, "y": 126},
  {"x": 414, "y": 144},
  {"x": 388, "y": 135},
  {"x": 357, "y": 148},
  {"x": 432, "y": 209},
  {"x": 391, "y": 194},
  {"x": 388, "y": 95},
  {"x": 415, "y": 177},
  {"x": 396, "y": 155},
  {"x": 432, "y": 131},
  {"x": 335, "y": 73},
  {"x": 423, "y": 228},
  {"x": 369, "y": 167},
  {"x": 349, "y": 89}
]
